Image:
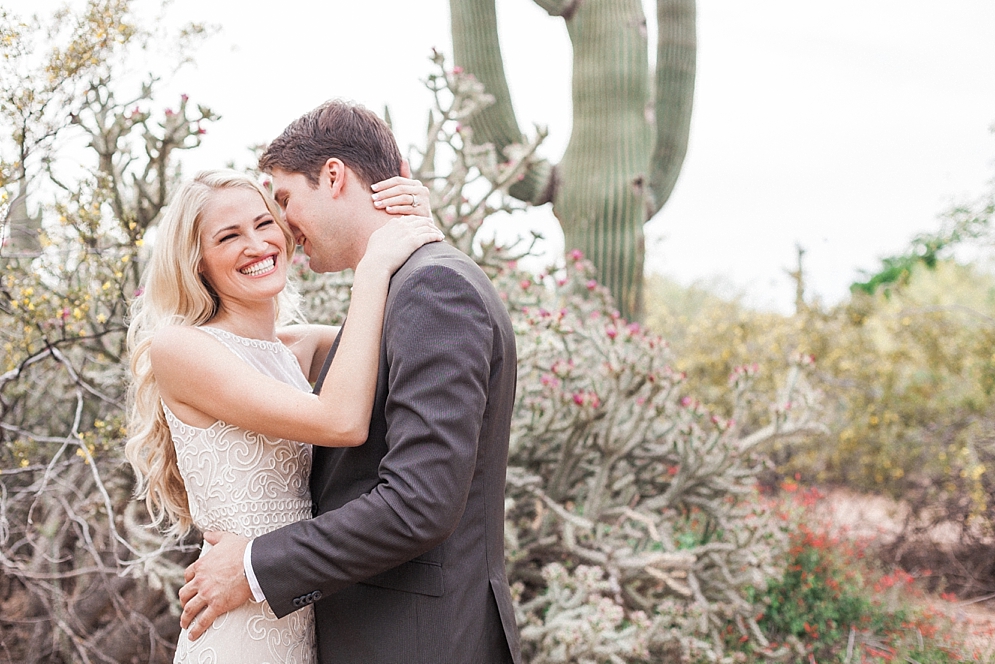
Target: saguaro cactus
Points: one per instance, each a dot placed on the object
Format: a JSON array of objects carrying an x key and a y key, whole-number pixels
[{"x": 630, "y": 131}]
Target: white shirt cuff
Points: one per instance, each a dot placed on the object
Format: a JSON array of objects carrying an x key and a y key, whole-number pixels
[{"x": 257, "y": 592}]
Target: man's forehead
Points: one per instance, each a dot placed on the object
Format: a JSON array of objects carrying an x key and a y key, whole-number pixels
[
  {"x": 286, "y": 180},
  {"x": 282, "y": 184}
]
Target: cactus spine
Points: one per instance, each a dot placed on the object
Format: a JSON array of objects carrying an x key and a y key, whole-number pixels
[{"x": 629, "y": 133}]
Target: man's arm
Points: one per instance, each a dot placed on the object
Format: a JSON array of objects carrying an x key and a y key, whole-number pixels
[
  {"x": 215, "y": 584},
  {"x": 439, "y": 339}
]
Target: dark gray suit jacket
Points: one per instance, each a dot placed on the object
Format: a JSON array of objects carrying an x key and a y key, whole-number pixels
[{"x": 406, "y": 550}]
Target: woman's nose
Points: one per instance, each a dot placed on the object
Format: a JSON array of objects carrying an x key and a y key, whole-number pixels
[{"x": 256, "y": 243}]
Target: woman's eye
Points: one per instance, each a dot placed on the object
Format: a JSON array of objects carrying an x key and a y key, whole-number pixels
[
  {"x": 265, "y": 222},
  {"x": 227, "y": 237}
]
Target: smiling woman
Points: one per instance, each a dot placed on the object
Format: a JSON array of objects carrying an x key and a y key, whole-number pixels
[
  {"x": 221, "y": 395},
  {"x": 245, "y": 251}
]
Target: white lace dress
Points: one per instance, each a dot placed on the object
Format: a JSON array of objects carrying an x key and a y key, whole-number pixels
[{"x": 249, "y": 484}]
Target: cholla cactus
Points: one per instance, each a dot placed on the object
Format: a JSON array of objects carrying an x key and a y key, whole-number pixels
[
  {"x": 614, "y": 467},
  {"x": 474, "y": 182},
  {"x": 578, "y": 620}
]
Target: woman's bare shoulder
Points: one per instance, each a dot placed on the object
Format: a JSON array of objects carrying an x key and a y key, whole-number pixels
[{"x": 182, "y": 344}]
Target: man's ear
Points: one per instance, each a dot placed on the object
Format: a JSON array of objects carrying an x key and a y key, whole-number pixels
[{"x": 335, "y": 169}]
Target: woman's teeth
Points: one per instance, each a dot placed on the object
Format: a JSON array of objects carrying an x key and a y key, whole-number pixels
[{"x": 260, "y": 267}]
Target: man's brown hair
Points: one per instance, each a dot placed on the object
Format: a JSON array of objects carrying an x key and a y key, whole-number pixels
[{"x": 336, "y": 129}]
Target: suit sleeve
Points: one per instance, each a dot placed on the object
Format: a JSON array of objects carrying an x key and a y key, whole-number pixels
[{"x": 439, "y": 338}]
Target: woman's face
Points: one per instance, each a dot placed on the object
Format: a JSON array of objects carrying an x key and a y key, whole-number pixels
[{"x": 243, "y": 248}]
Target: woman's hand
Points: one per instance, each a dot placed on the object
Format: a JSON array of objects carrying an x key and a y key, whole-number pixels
[
  {"x": 392, "y": 244},
  {"x": 402, "y": 195}
]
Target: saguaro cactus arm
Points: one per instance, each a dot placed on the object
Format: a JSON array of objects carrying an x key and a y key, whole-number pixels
[
  {"x": 675, "y": 73},
  {"x": 601, "y": 197},
  {"x": 477, "y": 49},
  {"x": 564, "y": 8}
]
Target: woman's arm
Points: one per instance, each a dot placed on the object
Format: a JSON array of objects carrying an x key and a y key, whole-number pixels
[{"x": 203, "y": 382}]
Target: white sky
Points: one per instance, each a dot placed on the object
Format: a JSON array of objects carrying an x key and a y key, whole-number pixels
[{"x": 846, "y": 126}]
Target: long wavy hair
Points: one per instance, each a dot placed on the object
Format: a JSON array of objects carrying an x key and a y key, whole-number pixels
[{"x": 174, "y": 293}]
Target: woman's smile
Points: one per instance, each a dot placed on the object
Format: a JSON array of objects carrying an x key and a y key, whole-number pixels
[{"x": 258, "y": 268}]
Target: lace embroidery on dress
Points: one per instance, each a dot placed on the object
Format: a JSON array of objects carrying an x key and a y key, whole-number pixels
[{"x": 242, "y": 482}]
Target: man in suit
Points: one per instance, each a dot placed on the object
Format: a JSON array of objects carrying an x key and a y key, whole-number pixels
[{"x": 406, "y": 549}]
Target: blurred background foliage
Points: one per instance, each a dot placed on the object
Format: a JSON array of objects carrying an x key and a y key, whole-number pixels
[{"x": 906, "y": 365}]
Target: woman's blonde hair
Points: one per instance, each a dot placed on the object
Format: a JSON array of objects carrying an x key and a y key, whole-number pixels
[{"x": 173, "y": 292}]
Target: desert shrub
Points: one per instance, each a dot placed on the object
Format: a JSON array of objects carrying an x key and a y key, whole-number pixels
[
  {"x": 907, "y": 375},
  {"x": 69, "y": 528}
]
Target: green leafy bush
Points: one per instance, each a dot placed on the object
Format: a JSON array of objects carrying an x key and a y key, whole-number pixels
[{"x": 834, "y": 604}]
